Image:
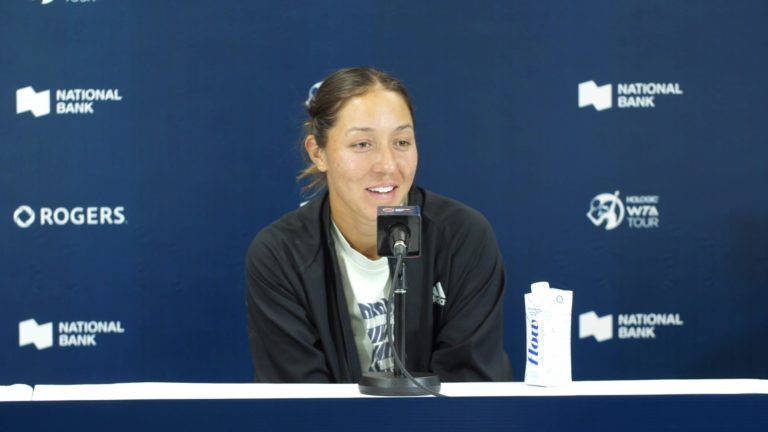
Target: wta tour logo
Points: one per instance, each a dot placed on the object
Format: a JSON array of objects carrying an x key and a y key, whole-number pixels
[
  {"x": 640, "y": 211},
  {"x": 606, "y": 209},
  {"x": 628, "y": 95}
]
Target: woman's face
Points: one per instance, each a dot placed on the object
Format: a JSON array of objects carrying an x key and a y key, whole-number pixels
[{"x": 370, "y": 156}]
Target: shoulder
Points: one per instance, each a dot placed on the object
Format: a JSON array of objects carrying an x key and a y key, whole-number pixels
[
  {"x": 295, "y": 237},
  {"x": 453, "y": 218}
]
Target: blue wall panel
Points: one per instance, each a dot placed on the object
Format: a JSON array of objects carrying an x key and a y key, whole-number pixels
[{"x": 203, "y": 147}]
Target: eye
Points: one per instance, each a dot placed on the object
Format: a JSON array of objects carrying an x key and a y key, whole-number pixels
[
  {"x": 361, "y": 145},
  {"x": 403, "y": 144}
]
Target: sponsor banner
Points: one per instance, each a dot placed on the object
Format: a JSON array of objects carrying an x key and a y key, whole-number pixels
[
  {"x": 71, "y": 334},
  {"x": 628, "y": 325},
  {"x": 639, "y": 211},
  {"x": 25, "y": 216},
  {"x": 65, "y": 101},
  {"x": 628, "y": 95}
]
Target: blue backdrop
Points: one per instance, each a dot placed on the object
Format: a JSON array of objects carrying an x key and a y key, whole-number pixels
[{"x": 185, "y": 142}]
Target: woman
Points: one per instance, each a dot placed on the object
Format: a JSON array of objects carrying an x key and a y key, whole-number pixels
[{"x": 317, "y": 292}]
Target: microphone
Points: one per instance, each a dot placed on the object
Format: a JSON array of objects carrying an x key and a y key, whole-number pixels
[
  {"x": 398, "y": 236},
  {"x": 398, "y": 231}
]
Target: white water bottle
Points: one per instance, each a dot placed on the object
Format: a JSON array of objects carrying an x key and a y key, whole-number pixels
[{"x": 548, "y": 335}]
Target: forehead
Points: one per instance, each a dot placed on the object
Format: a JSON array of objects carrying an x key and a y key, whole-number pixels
[{"x": 378, "y": 108}]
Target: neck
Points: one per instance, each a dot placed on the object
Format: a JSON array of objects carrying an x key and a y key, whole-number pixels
[{"x": 359, "y": 233}]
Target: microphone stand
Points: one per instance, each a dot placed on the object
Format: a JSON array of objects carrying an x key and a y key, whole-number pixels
[
  {"x": 399, "y": 382},
  {"x": 400, "y": 319}
]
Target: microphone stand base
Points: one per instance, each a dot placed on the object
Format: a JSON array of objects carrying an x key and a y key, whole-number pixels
[{"x": 387, "y": 384}]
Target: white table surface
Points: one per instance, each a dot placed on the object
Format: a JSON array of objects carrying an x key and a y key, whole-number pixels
[
  {"x": 15, "y": 392},
  {"x": 154, "y": 390}
]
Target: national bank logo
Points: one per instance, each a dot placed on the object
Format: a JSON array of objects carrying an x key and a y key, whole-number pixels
[
  {"x": 628, "y": 95},
  {"x": 25, "y": 216},
  {"x": 597, "y": 96},
  {"x": 38, "y": 103},
  {"x": 629, "y": 326},
  {"x": 68, "y": 101},
  {"x": 592, "y": 325},
  {"x": 608, "y": 211},
  {"x": 71, "y": 333},
  {"x": 32, "y": 333}
]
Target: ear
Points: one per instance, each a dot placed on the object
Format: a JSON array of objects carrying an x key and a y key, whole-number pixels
[{"x": 316, "y": 154}]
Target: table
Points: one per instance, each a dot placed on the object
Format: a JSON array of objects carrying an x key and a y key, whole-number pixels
[{"x": 714, "y": 405}]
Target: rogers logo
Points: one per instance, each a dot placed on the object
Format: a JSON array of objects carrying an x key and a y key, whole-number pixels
[{"x": 25, "y": 216}]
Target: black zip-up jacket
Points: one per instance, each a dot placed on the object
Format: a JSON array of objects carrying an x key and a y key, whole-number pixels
[{"x": 298, "y": 322}]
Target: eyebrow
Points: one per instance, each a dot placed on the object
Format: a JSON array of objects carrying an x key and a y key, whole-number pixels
[{"x": 369, "y": 129}]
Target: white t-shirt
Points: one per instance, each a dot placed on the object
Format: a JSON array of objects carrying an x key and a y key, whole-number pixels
[{"x": 366, "y": 287}]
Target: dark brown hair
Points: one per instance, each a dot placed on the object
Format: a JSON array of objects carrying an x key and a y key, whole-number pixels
[{"x": 323, "y": 109}]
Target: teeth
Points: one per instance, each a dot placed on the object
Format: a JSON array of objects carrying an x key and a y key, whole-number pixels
[{"x": 384, "y": 189}]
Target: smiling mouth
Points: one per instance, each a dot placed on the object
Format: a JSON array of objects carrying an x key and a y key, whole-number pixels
[{"x": 381, "y": 189}]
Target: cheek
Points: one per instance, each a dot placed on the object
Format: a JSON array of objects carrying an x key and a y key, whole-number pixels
[
  {"x": 347, "y": 168},
  {"x": 409, "y": 164}
]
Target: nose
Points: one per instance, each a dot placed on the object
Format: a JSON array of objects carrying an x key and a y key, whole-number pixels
[{"x": 385, "y": 160}]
